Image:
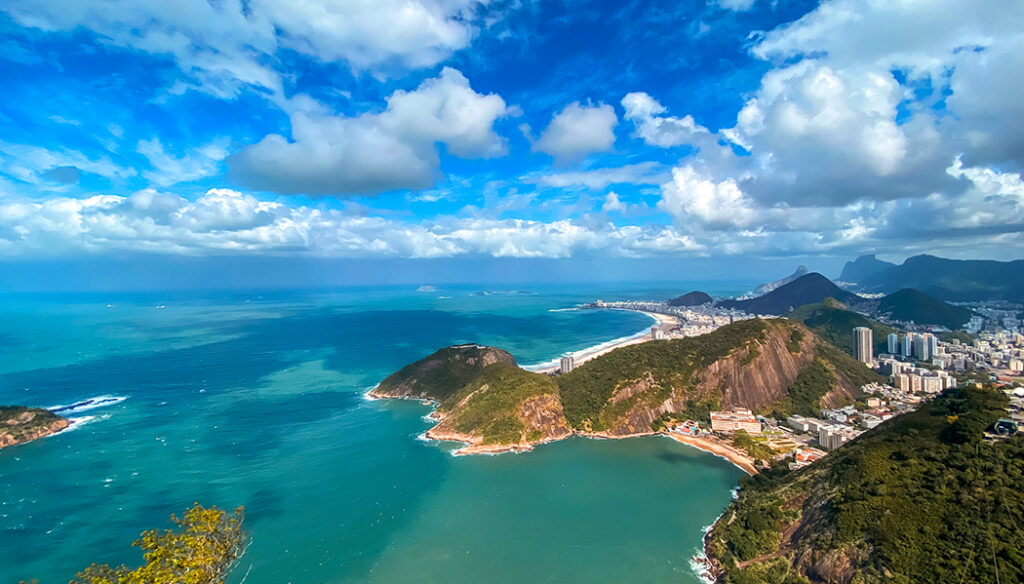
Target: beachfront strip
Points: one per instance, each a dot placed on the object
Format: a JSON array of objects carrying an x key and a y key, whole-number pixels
[{"x": 916, "y": 375}]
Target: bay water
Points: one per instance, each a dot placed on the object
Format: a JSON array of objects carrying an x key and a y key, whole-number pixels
[{"x": 257, "y": 399}]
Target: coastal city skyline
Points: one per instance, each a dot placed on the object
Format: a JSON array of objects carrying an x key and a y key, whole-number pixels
[{"x": 233, "y": 138}]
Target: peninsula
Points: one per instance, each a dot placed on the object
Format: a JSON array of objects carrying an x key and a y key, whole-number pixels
[
  {"x": 19, "y": 424},
  {"x": 483, "y": 399}
]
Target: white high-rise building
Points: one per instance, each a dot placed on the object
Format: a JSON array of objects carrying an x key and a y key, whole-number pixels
[
  {"x": 567, "y": 363},
  {"x": 656, "y": 333},
  {"x": 894, "y": 344},
  {"x": 862, "y": 344},
  {"x": 922, "y": 349},
  {"x": 908, "y": 344},
  {"x": 933, "y": 343}
]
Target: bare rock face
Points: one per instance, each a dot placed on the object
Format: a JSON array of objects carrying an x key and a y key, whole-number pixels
[
  {"x": 19, "y": 425},
  {"x": 753, "y": 377},
  {"x": 763, "y": 380},
  {"x": 543, "y": 414}
]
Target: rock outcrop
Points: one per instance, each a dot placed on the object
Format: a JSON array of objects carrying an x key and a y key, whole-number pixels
[{"x": 19, "y": 425}]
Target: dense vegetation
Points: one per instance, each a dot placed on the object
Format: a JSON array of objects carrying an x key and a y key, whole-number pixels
[
  {"x": 445, "y": 372},
  {"x": 963, "y": 337},
  {"x": 922, "y": 498},
  {"x": 673, "y": 366},
  {"x": 909, "y": 305},
  {"x": 833, "y": 322},
  {"x": 845, "y": 366},
  {"x": 494, "y": 400},
  {"x": 201, "y": 550},
  {"x": 803, "y": 397},
  {"x": 756, "y": 450},
  {"x": 694, "y": 298},
  {"x": 808, "y": 289}
]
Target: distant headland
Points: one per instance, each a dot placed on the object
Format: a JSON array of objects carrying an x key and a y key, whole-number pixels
[{"x": 19, "y": 424}]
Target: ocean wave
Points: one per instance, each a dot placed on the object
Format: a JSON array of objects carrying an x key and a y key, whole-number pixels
[
  {"x": 92, "y": 403},
  {"x": 700, "y": 565},
  {"x": 76, "y": 423}
]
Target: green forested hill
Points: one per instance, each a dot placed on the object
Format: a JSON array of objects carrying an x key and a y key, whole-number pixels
[
  {"x": 913, "y": 305},
  {"x": 440, "y": 375},
  {"x": 587, "y": 390},
  {"x": 920, "y": 499},
  {"x": 833, "y": 322}
]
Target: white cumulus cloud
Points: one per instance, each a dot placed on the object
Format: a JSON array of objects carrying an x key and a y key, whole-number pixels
[
  {"x": 578, "y": 130},
  {"x": 376, "y": 152}
]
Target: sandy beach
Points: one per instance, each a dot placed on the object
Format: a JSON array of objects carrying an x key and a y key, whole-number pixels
[
  {"x": 718, "y": 448},
  {"x": 664, "y": 320}
]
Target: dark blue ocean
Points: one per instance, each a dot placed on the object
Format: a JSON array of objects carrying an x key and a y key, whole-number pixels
[{"x": 257, "y": 399}]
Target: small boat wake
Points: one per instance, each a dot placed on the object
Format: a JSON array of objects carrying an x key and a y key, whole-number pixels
[{"x": 86, "y": 405}]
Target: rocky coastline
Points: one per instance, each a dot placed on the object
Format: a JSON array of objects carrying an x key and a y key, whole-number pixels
[{"x": 20, "y": 425}]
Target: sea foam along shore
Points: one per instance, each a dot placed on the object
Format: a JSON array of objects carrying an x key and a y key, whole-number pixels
[{"x": 595, "y": 351}]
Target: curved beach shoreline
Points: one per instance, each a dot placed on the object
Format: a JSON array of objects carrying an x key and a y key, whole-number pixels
[{"x": 596, "y": 351}]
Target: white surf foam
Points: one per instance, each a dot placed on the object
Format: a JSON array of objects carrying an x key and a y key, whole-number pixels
[{"x": 85, "y": 405}]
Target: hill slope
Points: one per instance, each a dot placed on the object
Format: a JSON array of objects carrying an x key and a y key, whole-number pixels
[
  {"x": 440, "y": 375},
  {"x": 913, "y": 305},
  {"x": 831, "y": 321},
  {"x": 694, "y": 298},
  {"x": 809, "y": 289},
  {"x": 751, "y": 363},
  {"x": 919, "y": 499},
  {"x": 952, "y": 280},
  {"x": 20, "y": 424},
  {"x": 486, "y": 401},
  {"x": 863, "y": 267}
]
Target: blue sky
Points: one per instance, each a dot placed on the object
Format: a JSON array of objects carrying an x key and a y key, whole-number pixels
[{"x": 650, "y": 136}]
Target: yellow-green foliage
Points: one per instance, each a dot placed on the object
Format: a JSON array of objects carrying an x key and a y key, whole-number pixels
[
  {"x": 755, "y": 449},
  {"x": 201, "y": 550},
  {"x": 493, "y": 412}
]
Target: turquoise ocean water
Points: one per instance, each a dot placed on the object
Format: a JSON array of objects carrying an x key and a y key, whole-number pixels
[{"x": 257, "y": 399}]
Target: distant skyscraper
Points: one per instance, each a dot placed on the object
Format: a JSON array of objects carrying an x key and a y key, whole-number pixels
[
  {"x": 862, "y": 344},
  {"x": 567, "y": 364},
  {"x": 908, "y": 345},
  {"x": 894, "y": 344},
  {"x": 933, "y": 343},
  {"x": 921, "y": 348}
]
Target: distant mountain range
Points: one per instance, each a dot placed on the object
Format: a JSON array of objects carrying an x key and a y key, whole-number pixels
[
  {"x": 951, "y": 280},
  {"x": 805, "y": 296},
  {"x": 863, "y": 267},
  {"x": 807, "y": 289}
]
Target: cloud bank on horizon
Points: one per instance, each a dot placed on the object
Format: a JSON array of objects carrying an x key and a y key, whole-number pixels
[{"x": 432, "y": 129}]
